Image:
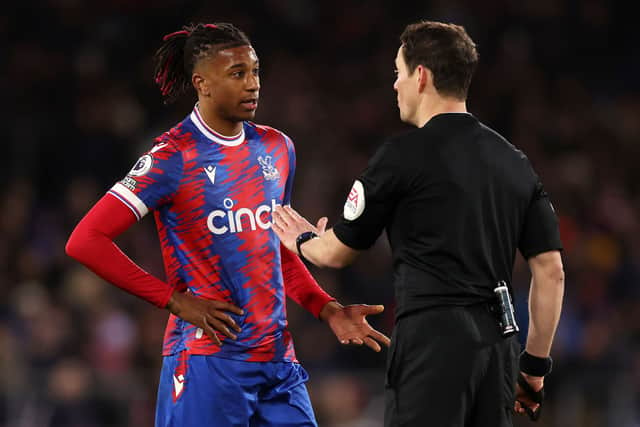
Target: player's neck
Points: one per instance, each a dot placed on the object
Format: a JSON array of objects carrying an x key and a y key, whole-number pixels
[
  {"x": 431, "y": 107},
  {"x": 215, "y": 122}
]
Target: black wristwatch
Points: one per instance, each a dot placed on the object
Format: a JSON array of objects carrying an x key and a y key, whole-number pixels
[
  {"x": 306, "y": 236},
  {"x": 534, "y": 365}
]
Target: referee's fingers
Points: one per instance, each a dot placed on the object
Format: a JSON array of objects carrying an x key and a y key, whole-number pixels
[
  {"x": 280, "y": 217},
  {"x": 293, "y": 213},
  {"x": 322, "y": 224},
  {"x": 276, "y": 227}
]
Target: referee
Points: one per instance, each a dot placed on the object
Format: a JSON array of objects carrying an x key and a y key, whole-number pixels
[{"x": 456, "y": 200}]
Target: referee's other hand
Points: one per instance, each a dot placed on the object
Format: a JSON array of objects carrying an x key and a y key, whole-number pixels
[{"x": 523, "y": 399}]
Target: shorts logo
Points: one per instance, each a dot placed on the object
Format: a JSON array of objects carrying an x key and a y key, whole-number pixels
[
  {"x": 179, "y": 374},
  {"x": 268, "y": 169},
  {"x": 142, "y": 166},
  {"x": 354, "y": 206},
  {"x": 178, "y": 386}
]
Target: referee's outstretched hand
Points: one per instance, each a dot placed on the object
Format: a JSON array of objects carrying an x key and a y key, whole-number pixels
[
  {"x": 208, "y": 315},
  {"x": 349, "y": 324},
  {"x": 525, "y": 404},
  {"x": 288, "y": 224}
]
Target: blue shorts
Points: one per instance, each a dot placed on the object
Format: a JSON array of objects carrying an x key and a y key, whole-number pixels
[{"x": 209, "y": 391}]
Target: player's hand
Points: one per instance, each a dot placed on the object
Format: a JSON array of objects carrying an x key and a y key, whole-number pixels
[
  {"x": 524, "y": 403},
  {"x": 289, "y": 224},
  {"x": 209, "y": 315},
  {"x": 350, "y": 325}
]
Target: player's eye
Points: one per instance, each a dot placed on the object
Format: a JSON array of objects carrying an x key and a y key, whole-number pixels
[
  {"x": 256, "y": 71},
  {"x": 395, "y": 71},
  {"x": 237, "y": 74}
]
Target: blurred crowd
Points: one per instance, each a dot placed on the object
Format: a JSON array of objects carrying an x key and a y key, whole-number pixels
[{"x": 557, "y": 78}]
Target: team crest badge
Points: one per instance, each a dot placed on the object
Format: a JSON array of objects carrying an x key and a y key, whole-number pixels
[
  {"x": 268, "y": 169},
  {"x": 354, "y": 206}
]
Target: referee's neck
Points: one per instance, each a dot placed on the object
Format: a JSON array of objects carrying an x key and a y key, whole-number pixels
[{"x": 430, "y": 108}]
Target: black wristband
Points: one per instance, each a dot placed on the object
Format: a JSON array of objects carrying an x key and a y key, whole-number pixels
[
  {"x": 304, "y": 237},
  {"x": 535, "y": 366}
]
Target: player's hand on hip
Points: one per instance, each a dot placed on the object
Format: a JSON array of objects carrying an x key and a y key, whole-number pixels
[
  {"x": 209, "y": 315},
  {"x": 350, "y": 326},
  {"x": 288, "y": 224}
]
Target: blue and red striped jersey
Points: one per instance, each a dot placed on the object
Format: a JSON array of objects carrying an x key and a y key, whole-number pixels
[{"x": 212, "y": 198}]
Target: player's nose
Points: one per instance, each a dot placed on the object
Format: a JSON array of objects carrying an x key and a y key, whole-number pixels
[{"x": 253, "y": 84}]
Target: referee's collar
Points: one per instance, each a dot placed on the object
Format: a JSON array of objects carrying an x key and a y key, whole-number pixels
[
  {"x": 230, "y": 141},
  {"x": 460, "y": 115}
]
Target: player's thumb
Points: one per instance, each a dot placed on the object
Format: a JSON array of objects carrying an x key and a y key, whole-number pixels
[
  {"x": 322, "y": 224},
  {"x": 373, "y": 309}
]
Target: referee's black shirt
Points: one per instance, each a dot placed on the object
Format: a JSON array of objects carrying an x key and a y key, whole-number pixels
[{"x": 456, "y": 199}]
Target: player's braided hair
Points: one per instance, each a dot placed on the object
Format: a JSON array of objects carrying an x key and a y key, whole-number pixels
[{"x": 181, "y": 50}]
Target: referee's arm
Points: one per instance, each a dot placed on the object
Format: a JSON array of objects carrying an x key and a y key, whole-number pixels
[
  {"x": 368, "y": 206},
  {"x": 540, "y": 244},
  {"x": 328, "y": 251},
  {"x": 545, "y": 301},
  {"x": 325, "y": 250}
]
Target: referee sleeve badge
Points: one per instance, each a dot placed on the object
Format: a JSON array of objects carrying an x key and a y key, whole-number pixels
[{"x": 354, "y": 206}]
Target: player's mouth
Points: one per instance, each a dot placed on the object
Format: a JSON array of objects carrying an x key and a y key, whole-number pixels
[{"x": 250, "y": 103}]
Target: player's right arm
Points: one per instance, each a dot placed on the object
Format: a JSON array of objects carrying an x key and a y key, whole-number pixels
[{"x": 92, "y": 244}]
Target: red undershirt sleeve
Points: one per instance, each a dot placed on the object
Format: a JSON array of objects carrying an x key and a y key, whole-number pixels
[
  {"x": 91, "y": 243},
  {"x": 300, "y": 285}
]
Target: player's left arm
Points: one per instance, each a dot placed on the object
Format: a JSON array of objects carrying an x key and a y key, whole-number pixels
[{"x": 348, "y": 323}]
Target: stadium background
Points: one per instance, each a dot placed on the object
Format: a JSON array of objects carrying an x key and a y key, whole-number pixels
[{"x": 558, "y": 78}]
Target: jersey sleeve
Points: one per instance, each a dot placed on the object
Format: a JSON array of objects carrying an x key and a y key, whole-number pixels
[
  {"x": 91, "y": 243},
  {"x": 371, "y": 201},
  {"x": 288, "y": 189},
  {"x": 300, "y": 285},
  {"x": 541, "y": 232},
  {"x": 152, "y": 181}
]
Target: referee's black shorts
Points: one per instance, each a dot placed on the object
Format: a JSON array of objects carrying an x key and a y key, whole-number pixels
[{"x": 450, "y": 367}]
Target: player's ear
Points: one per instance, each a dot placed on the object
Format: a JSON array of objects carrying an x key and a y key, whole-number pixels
[{"x": 200, "y": 84}]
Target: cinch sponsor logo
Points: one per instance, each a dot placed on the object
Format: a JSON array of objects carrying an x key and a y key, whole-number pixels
[{"x": 229, "y": 220}]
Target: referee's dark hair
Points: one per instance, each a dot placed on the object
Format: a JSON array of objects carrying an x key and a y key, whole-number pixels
[
  {"x": 181, "y": 50},
  {"x": 446, "y": 50}
]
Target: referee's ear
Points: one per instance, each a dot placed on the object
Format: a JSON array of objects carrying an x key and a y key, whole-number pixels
[{"x": 425, "y": 78}]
